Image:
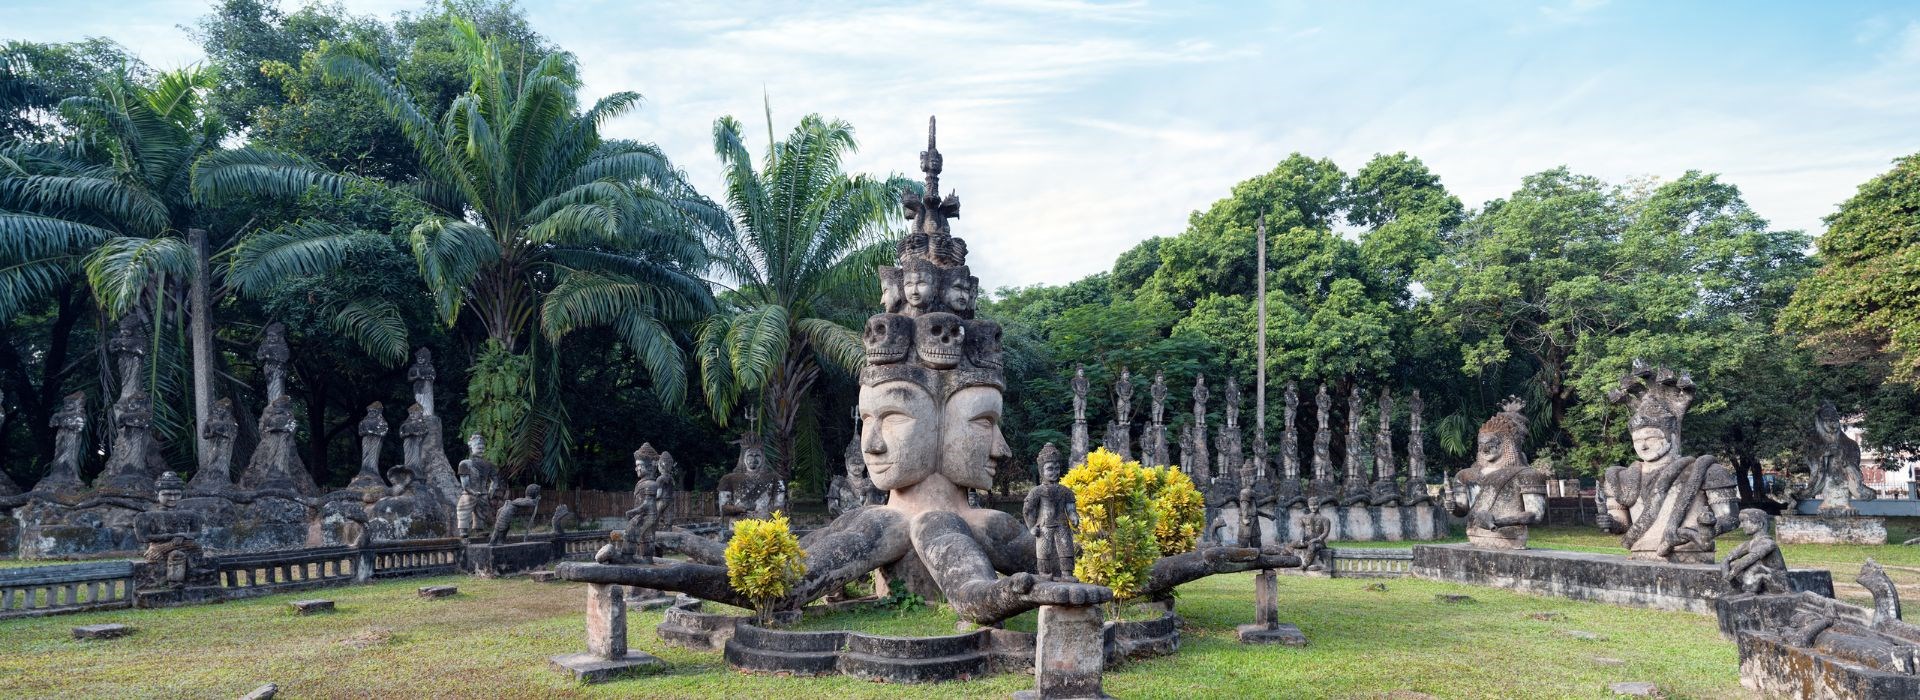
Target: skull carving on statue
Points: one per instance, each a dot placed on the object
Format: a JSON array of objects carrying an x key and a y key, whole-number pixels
[
  {"x": 938, "y": 336},
  {"x": 983, "y": 344},
  {"x": 888, "y": 338}
]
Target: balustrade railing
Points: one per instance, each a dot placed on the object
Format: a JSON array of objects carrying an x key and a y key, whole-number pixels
[
  {"x": 1371, "y": 563},
  {"x": 262, "y": 573},
  {"x": 65, "y": 588}
]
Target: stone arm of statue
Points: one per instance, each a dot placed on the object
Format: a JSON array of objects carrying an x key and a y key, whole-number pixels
[
  {"x": 704, "y": 581},
  {"x": 695, "y": 547},
  {"x": 1030, "y": 511},
  {"x": 1534, "y": 511},
  {"x": 977, "y": 592},
  {"x": 1740, "y": 559},
  {"x": 1168, "y": 572},
  {"x": 1609, "y": 515}
]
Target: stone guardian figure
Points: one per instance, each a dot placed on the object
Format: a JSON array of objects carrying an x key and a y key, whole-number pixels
[
  {"x": 1835, "y": 465},
  {"x": 373, "y": 434},
  {"x": 1756, "y": 565},
  {"x": 172, "y": 539},
  {"x": 1082, "y": 441},
  {"x": 215, "y": 475},
  {"x": 1500, "y": 495},
  {"x": 1051, "y": 516},
  {"x": 478, "y": 479},
  {"x": 1666, "y": 507}
]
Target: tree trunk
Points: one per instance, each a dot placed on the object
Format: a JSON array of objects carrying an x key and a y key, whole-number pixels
[
  {"x": 201, "y": 331},
  {"x": 785, "y": 390}
]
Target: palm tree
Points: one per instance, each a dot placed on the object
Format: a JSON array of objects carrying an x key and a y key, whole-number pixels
[
  {"x": 803, "y": 250},
  {"x": 118, "y": 208},
  {"x": 537, "y": 225}
]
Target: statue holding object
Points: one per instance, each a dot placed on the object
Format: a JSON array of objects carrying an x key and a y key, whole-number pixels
[
  {"x": 1756, "y": 565},
  {"x": 1500, "y": 495},
  {"x": 1666, "y": 507},
  {"x": 1051, "y": 516}
]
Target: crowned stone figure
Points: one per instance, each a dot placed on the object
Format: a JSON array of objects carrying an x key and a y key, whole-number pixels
[
  {"x": 1051, "y": 517},
  {"x": 69, "y": 424},
  {"x": 1355, "y": 490},
  {"x": 1667, "y": 506},
  {"x": 750, "y": 490},
  {"x": 126, "y": 470},
  {"x": 1322, "y": 490},
  {"x": 1198, "y": 462},
  {"x": 644, "y": 518},
  {"x": 172, "y": 539},
  {"x": 1500, "y": 495},
  {"x": 373, "y": 435},
  {"x": 1386, "y": 485},
  {"x": 478, "y": 482},
  {"x": 273, "y": 355},
  {"x": 276, "y": 461},
  {"x": 1290, "y": 490},
  {"x": 1416, "y": 454},
  {"x": 1082, "y": 442},
  {"x": 853, "y": 489}
]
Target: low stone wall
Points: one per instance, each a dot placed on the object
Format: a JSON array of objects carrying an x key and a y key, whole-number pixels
[
  {"x": 1823, "y": 529},
  {"x": 1602, "y": 578},
  {"x": 1776, "y": 669},
  {"x": 65, "y": 588}
]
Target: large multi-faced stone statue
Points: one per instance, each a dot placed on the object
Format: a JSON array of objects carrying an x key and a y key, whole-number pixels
[
  {"x": 751, "y": 490},
  {"x": 172, "y": 539},
  {"x": 1834, "y": 463},
  {"x": 930, "y": 407},
  {"x": 1052, "y": 518},
  {"x": 1666, "y": 506},
  {"x": 1501, "y": 494}
]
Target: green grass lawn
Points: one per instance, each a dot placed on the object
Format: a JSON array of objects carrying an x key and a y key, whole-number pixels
[{"x": 494, "y": 638}]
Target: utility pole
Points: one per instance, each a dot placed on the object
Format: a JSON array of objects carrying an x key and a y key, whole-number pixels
[{"x": 1260, "y": 337}]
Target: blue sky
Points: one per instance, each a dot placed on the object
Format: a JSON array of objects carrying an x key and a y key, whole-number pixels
[{"x": 1074, "y": 129}]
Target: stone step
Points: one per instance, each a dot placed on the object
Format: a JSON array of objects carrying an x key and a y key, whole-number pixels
[
  {"x": 777, "y": 640},
  {"x": 918, "y": 647},
  {"x": 916, "y": 670},
  {"x": 802, "y": 663},
  {"x": 106, "y": 631},
  {"x": 438, "y": 591},
  {"x": 309, "y": 607}
]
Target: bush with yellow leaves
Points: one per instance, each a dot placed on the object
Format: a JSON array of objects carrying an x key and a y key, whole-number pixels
[
  {"x": 1117, "y": 522},
  {"x": 1178, "y": 507},
  {"x": 764, "y": 561}
]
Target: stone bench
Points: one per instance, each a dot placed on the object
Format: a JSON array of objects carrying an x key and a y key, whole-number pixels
[{"x": 106, "y": 631}]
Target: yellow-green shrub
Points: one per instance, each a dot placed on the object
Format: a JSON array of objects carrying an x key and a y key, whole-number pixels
[
  {"x": 764, "y": 560},
  {"x": 1179, "y": 509},
  {"x": 1117, "y": 518}
]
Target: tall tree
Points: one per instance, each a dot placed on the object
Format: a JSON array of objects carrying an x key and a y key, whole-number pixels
[
  {"x": 800, "y": 261},
  {"x": 1863, "y": 304}
]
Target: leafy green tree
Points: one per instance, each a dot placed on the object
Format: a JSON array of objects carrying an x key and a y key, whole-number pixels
[
  {"x": 36, "y": 77},
  {"x": 535, "y": 227},
  {"x": 806, "y": 238},
  {"x": 1863, "y": 304}
]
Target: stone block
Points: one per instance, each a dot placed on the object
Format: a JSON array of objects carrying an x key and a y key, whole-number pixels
[
  {"x": 1603, "y": 578},
  {"x": 174, "y": 597},
  {"x": 1820, "y": 529},
  {"x": 1637, "y": 689},
  {"x": 493, "y": 561},
  {"x": 438, "y": 591},
  {"x": 587, "y": 668},
  {"x": 1774, "y": 668},
  {"x": 106, "y": 631},
  {"x": 543, "y": 576},
  {"x": 606, "y": 621},
  {"x": 1282, "y": 634},
  {"x": 265, "y": 692},
  {"x": 1879, "y": 507},
  {"x": 309, "y": 607},
  {"x": 1069, "y": 657}
]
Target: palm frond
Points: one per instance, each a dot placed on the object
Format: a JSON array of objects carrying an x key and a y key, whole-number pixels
[
  {"x": 223, "y": 175},
  {"x": 130, "y": 208},
  {"x": 450, "y": 253},
  {"x": 299, "y": 249},
  {"x": 122, "y": 268},
  {"x": 376, "y": 325},
  {"x": 838, "y": 343}
]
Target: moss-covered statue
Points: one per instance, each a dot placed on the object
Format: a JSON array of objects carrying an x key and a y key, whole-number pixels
[
  {"x": 1501, "y": 494},
  {"x": 1667, "y": 506}
]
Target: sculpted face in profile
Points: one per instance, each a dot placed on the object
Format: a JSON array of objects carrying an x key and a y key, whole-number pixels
[
  {"x": 960, "y": 293},
  {"x": 900, "y": 434},
  {"x": 971, "y": 443}
]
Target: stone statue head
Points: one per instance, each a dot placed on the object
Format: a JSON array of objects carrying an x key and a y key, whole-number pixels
[
  {"x": 1754, "y": 521},
  {"x": 888, "y": 338},
  {"x": 221, "y": 423},
  {"x": 667, "y": 465},
  {"x": 646, "y": 462},
  {"x": 422, "y": 368},
  {"x": 972, "y": 446},
  {"x": 900, "y": 433},
  {"x": 72, "y": 414},
  {"x": 1502, "y": 435},
  {"x": 1052, "y": 465},
  {"x": 918, "y": 283},
  {"x": 375, "y": 422},
  {"x": 1660, "y": 398},
  {"x": 752, "y": 456},
  {"x": 982, "y": 344},
  {"x": 961, "y": 291},
  {"x": 168, "y": 489},
  {"x": 476, "y": 444},
  {"x": 856, "y": 464},
  {"x": 1826, "y": 421},
  {"x": 533, "y": 491},
  {"x": 401, "y": 480},
  {"x": 892, "y": 298},
  {"x": 939, "y": 338},
  {"x": 1651, "y": 444},
  {"x": 273, "y": 344}
]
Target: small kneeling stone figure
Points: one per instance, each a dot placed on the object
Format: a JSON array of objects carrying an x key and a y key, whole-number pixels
[
  {"x": 1756, "y": 565},
  {"x": 1051, "y": 516}
]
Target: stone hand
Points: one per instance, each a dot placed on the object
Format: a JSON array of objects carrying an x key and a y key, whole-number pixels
[{"x": 1057, "y": 593}]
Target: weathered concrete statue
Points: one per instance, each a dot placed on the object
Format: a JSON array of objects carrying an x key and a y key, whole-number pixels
[
  {"x": 126, "y": 470},
  {"x": 644, "y": 518},
  {"x": 1082, "y": 443},
  {"x": 1311, "y": 539},
  {"x": 1119, "y": 439},
  {"x": 276, "y": 465},
  {"x": 172, "y": 537},
  {"x": 478, "y": 479},
  {"x": 751, "y": 490},
  {"x": 1153, "y": 444},
  {"x": 564, "y": 519},
  {"x": 1052, "y": 518},
  {"x": 1666, "y": 506},
  {"x": 1834, "y": 464},
  {"x": 69, "y": 424},
  {"x": 1386, "y": 484},
  {"x": 215, "y": 475},
  {"x": 1322, "y": 490},
  {"x": 373, "y": 435},
  {"x": 852, "y": 489},
  {"x": 1290, "y": 491},
  {"x": 273, "y": 356},
  {"x": 1416, "y": 454},
  {"x": 1227, "y": 443},
  {"x": 528, "y": 507},
  {"x": 1756, "y": 565},
  {"x": 930, "y": 406},
  {"x": 1501, "y": 494},
  {"x": 1198, "y": 461},
  {"x": 1354, "y": 490}
]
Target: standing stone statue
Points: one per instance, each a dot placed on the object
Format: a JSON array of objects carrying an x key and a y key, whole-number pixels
[
  {"x": 670, "y": 485},
  {"x": 1756, "y": 565},
  {"x": 172, "y": 539},
  {"x": 63, "y": 475},
  {"x": 644, "y": 519},
  {"x": 126, "y": 470},
  {"x": 1249, "y": 515},
  {"x": 1355, "y": 490},
  {"x": 421, "y": 374},
  {"x": 276, "y": 461},
  {"x": 273, "y": 356},
  {"x": 1119, "y": 438},
  {"x": 1666, "y": 506},
  {"x": 564, "y": 520},
  {"x": 1227, "y": 443},
  {"x": 413, "y": 438},
  {"x": 1501, "y": 494},
  {"x": 478, "y": 482},
  {"x": 129, "y": 350},
  {"x": 1322, "y": 490},
  {"x": 1291, "y": 492},
  {"x": 518, "y": 507},
  {"x": 1219, "y": 494},
  {"x": 1051, "y": 517},
  {"x": 1082, "y": 443},
  {"x": 1197, "y": 462},
  {"x": 8, "y": 489},
  {"x": 852, "y": 489},
  {"x": 1386, "y": 484},
  {"x": 1835, "y": 465},
  {"x": 1416, "y": 454},
  {"x": 433, "y": 468},
  {"x": 373, "y": 434},
  {"x": 750, "y": 490},
  {"x": 1154, "y": 443},
  {"x": 215, "y": 475}
]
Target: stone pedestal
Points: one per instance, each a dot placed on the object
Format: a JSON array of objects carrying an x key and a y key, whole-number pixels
[
  {"x": 1358, "y": 525},
  {"x": 607, "y": 657},
  {"x": 1388, "y": 524},
  {"x": 1820, "y": 529},
  {"x": 1423, "y": 526},
  {"x": 1605, "y": 578},
  {"x": 1879, "y": 507},
  {"x": 1069, "y": 656},
  {"x": 174, "y": 597},
  {"x": 1266, "y": 627},
  {"x": 493, "y": 561}
]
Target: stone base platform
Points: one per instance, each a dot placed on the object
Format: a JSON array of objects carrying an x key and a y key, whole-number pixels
[
  {"x": 1879, "y": 507},
  {"x": 494, "y": 561},
  {"x": 1776, "y": 669},
  {"x": 1821, "y": 529},
  {"x": 1282, "y": 634},
  {"x": 1605, "y": 578},
  {"x": 171, "y": 597},
  {"x": 587, "y": 668}
]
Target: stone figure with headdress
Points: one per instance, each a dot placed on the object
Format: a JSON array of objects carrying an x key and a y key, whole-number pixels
[
  {"x": 1666, "y": 506},
  {"x": 1501, "y": 494}
]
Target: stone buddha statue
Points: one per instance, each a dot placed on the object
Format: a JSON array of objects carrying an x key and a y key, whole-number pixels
[
  {"x": 751, "y": 490},
  {"x": 1501, "y": 494},
  {"x": 1666, "y": 507},
  {"x": 172, "y": 539}
]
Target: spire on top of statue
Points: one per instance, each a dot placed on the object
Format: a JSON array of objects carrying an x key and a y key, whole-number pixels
[{"x": 932, "y": 237}]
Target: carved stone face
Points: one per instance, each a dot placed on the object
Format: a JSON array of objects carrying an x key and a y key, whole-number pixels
[
  {"x": 918, "y": 285},
  {"x": 168, "y": 499},
  {"x": 960, "y": 293},
  {"x": 1493, "y": 447},
  {"x": 892, "y": 298},
  {"x": 751, "y": 459},
  {"x": 971, "y": 443},
  {"x": 1651, "y": 444},
  {"x": 402, "y": 480},
  {"x": 1753, "y": 521},
  {"x": 476, "y": 444},
  {"x": 900, "y": 434},
  {"x": 939, "y": 337},
  {"x": 888, "y": 337},
  {"x": 982, "y": 344}
]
